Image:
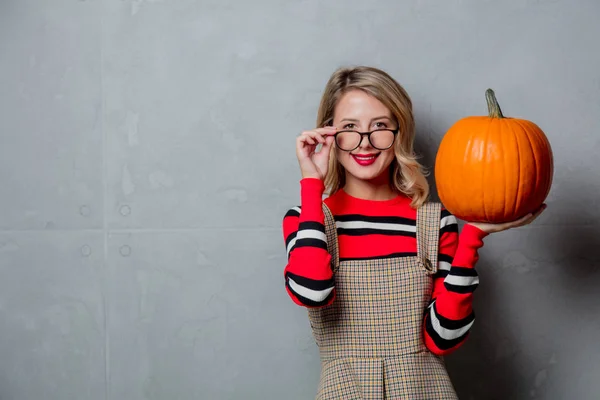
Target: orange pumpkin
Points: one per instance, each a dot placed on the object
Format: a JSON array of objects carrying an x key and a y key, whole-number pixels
[{"x": 495, "y": 168}]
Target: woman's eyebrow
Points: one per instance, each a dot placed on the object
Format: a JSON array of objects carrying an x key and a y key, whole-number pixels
[{"x": 374, "y": 119}]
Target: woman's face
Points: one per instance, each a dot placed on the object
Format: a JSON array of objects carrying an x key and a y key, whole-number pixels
[{"x": 359, "y": 111}]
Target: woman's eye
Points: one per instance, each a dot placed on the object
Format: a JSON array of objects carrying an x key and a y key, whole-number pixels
[
  {"x": 349, "y": 126},
  {"x": 380, "y": 125}
]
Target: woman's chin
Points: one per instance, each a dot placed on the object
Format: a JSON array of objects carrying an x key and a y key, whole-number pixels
[{"x": 371, "y": 173}]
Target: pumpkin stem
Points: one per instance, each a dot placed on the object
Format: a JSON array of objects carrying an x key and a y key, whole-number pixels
[{"x": 493, "y": 106}]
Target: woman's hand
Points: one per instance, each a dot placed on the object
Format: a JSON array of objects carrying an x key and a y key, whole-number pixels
[
  {"x": 492, "y": 228},
  {"x": 313, "y": 164}
]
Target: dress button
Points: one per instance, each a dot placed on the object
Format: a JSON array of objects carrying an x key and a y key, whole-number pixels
[{"x": 428, "y": 265}]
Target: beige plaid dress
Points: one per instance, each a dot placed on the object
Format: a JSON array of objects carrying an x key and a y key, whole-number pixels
[{"x": 371, "y": 338}]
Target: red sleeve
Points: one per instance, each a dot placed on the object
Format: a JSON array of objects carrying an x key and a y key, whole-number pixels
[
  {"x": 450, "y": 315},
  {"x": 308, "y": 274}
]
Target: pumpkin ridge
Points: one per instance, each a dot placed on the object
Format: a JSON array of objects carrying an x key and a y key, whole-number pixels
[
  {"x": 543, "y": 158},
  {"x": 527, "y": 130},
  {"x": 519, "y": 166},
  {"x": 483, "y": 180},
  {"x": 472, "y": 140},
  {"x": 505, "y": 164}
]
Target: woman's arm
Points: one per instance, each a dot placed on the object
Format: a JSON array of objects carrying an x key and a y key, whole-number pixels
[
  {"x": 450, "y": 315},
  {"x": 308, "y": 274}
]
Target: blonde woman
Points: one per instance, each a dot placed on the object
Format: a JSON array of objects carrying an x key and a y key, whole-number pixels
[{"x": 387, "y": 278}]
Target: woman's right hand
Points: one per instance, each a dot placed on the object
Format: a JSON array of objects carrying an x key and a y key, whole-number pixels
[{"x": 314, "y": 164}]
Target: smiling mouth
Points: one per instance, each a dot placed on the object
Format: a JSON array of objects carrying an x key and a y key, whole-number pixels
[{"x": 365, "y": 159}]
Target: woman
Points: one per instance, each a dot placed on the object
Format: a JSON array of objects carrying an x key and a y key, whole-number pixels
[{"x": 386, "y": 277}]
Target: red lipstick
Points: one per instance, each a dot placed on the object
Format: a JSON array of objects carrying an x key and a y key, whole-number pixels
[{"x": 365, "y": 159}]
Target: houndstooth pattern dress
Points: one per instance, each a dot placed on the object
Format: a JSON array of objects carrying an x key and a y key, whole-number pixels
[{"x": 371, "y": 338}]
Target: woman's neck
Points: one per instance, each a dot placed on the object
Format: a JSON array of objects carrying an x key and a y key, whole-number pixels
[{"x": 376, "y": 189}]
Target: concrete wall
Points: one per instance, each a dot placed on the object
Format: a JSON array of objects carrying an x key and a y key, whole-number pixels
[{"x": 147, "y": 159}]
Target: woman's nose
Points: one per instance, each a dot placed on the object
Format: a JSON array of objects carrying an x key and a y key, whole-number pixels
[{"x": 364, "y": 142}]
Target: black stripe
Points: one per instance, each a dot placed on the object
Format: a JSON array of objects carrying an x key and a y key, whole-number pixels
[
  {"x": 291, "y": 213},
  {"x": 440, "y": 343},
  {"x": 311, "y": 225},
  {"x": 371, "y": 231},
  {"x": 453, "y": 323},
  {"x": 463, "y": 271},
  {"x": 290, "y": 237},
  {"x": 309, "y": 302},
  {"x": 393, "y": 255},
  {"x": 310, "y": 242},
  {"x": 381, "y": 220},
  {"x": 441, "y": 273},
  {"x": 313, "y": 284},
  {"x": 446, "y": 258},
  {"x": 445, "y": 213},
  {"x": 450, "y": 228},
  {"x": 460, "y": 289}
]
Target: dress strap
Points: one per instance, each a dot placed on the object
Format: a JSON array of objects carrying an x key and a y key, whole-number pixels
[
  {"x": 428, "y": 235},
  {"x": 332, "y": 238}
]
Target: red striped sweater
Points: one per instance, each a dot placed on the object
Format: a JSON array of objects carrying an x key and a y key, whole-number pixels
[{"x": 378, "y": 229}]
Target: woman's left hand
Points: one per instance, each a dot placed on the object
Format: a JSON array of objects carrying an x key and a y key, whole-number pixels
[{"x": 492, "y": 228}]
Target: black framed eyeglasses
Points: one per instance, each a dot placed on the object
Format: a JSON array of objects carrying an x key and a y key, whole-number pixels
[{"x": 380, "y": 139}]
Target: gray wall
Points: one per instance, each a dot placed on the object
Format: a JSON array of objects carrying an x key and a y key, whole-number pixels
[{"x": 147, "y": 158}]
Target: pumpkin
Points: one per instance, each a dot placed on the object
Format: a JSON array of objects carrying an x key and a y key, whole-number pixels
[{"x": 493, "y": 168}]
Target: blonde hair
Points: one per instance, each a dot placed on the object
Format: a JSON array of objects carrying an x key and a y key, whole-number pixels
[{"x": 407, "y": 175}]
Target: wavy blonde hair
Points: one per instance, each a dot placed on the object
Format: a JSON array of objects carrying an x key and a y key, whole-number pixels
[{"x": 407, "y": 175}]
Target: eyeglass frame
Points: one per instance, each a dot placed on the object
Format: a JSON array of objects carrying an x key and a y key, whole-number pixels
[{"x": 368, "y": 134}]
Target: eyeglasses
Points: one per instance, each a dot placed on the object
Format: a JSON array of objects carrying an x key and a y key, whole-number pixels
[{"x": 380, "y": 139}]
